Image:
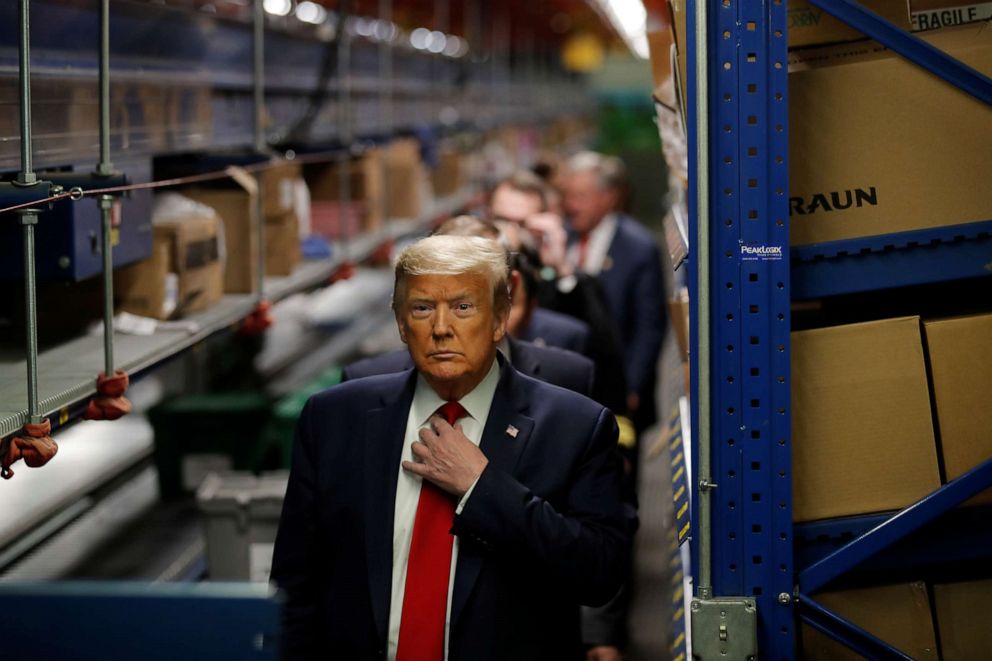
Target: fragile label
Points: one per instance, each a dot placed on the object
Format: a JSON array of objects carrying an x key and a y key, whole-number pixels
[{"x": 942, "y": 18}]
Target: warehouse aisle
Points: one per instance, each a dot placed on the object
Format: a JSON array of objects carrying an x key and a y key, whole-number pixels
[{"x": 651, "y": 612}]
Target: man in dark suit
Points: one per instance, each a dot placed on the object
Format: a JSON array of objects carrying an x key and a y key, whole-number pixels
[
  {"x": 411, "y": 537},
  {"x": 625, "y": 259}
]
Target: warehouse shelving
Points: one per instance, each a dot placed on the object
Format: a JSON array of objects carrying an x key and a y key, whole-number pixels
[
  {"x": 66, "y": 371},
  {"x": 750, "y": 589}
]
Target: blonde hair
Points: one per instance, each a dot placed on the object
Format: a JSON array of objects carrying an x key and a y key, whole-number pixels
[{"x": 445, "y": 254}]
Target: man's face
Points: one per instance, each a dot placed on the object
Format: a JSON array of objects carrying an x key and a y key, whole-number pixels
[
  {"x": 451, "y": 330},
  {"x": 585, "y": 202},
  {"x": 514, "y": 205}
]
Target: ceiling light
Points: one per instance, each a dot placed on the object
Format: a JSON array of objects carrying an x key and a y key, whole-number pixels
[
  {"x": 419, "y": 38},
  {"x": 311, "y": 12},
  {"x": 278, "y": 7},
  {"x": 436, "y": 42},
  {"x": 453, "y": 46},
  {"x": 629, "y": 19}
]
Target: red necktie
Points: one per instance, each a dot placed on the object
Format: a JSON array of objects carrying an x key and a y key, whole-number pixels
[{"x": 425, "y": 597}]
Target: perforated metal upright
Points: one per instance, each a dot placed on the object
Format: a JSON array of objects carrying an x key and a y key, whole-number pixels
[{"x": 739, "y": 285}]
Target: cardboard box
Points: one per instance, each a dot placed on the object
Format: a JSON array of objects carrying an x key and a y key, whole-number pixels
[
  {"x": 187, "y": 248},
  {"x": 446, "y": 178},
  {"x": 808, "y": 25},
  {"x": 962, "y": 620},
  {"x": 898, "y": 614},
  {"x": 862, "y": 434},
  {"x": 961, "y": 373},
  {"x": 278, "y": 184},
  {"x": 934, "y": 14},
  {"x": 282, "y": 243},
  {"x": 407, "y": 177},
  {"x": 237, "y": 211},
  {"x": 878, "y": 145},
  {"x": 365, "y": 193}
]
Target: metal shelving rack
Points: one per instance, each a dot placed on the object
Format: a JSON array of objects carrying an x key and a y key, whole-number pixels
[{"x": 750, "y": 591}]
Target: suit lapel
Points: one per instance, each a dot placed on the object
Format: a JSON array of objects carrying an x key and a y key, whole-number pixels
[
  {"x": 383, "y": 447},
  {"x": 503, "y": 447}
]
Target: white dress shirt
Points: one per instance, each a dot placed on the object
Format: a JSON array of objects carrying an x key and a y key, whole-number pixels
[
  {"x": 600, "y": 239},
  {"x": 425, "y": 404}
]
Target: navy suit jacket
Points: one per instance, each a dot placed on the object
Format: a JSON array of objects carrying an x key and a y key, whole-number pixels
[
  {"x": 544, "y": 528},
  {"x": 634, "y": 288},
  {"x": 555, "y": 329},
  {"x": 555, "y": 366}
]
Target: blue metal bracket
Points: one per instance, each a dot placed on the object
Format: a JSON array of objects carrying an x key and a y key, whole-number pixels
[
  {"x": 895, "y": 528},
  {"x": 849, "y": 635},
  {"x": 911, "y": 47}
]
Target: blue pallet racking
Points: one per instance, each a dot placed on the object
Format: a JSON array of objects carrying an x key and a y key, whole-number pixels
[{"x": 748, "y": 599}]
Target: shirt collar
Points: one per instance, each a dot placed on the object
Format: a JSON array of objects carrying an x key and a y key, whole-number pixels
[{"x": 426, "y": 402}]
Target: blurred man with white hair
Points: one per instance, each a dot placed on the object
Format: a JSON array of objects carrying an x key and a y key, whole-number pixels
[{"x": 458, "y": 510}]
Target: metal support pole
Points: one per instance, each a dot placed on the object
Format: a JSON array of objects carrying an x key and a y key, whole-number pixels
[
  {"x": 29, "y": 218},
  {"x": 440, "y": 66},
  {"x": 386, "y": 83},
  {"x": 344, "y": 119},
  {"x": 106, "y": 168},
  {"x": 258, "y": 86},
  {"x": 704, "y": 535}
]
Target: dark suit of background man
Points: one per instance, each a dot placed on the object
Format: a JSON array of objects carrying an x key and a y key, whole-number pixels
[
  {"x": 404, "y": 537},
  {"x": 625, "y": 259}
]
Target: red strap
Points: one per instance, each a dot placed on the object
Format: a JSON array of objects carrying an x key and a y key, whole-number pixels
[
  {"x": 36, "y": 447},
  {"x": 258, "y": 320},
  {"x": 425, "y": 599}
]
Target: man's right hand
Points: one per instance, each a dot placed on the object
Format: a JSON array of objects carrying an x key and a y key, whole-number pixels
[{"x": 550, "y": 230}]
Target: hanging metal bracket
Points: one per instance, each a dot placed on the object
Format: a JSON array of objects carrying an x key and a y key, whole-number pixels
[{"x": 724, "y": 629}]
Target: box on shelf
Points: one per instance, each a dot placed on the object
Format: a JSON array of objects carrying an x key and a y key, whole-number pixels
[
  {"x": 241, "y": 516},
  {"x": 365, "y": 185},
  {"x": 407, "y": 179},
  {"x": 934, "y": 14},
  {"x": 278, "y": 186},
  {"x": 237, "y": 210},
  {"x": 446, "y": 177},
  {"x": 878, "y": 145},
  {"x": 183, "y": 275},
  {"x": 282, "y": 243},
  {"x": 862, "y": 434},
  {"x": 961, "y": 372},
  {"x": 898, "y": 614},
  {"x": 962, "y": 619}
]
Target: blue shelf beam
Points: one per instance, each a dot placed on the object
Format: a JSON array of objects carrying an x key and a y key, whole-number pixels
[
  {"x": 958, "y": 540},
  {"x": 849, "y": 635},
  {"x": 943, "y": 254},
  {"x": 911, "y": 47},
  {"x": 897, "y": 527}
]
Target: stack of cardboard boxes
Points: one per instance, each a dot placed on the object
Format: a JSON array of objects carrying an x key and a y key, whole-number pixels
[
  {"x": 206, "y": 244},
  {"x": 866, "y": 439}
]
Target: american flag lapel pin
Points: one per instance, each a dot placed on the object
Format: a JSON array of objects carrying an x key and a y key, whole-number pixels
[{"x": 512, "y": 431}]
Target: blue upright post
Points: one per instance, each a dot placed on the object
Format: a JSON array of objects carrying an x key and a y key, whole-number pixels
[{"x": 746, "y": 342}]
